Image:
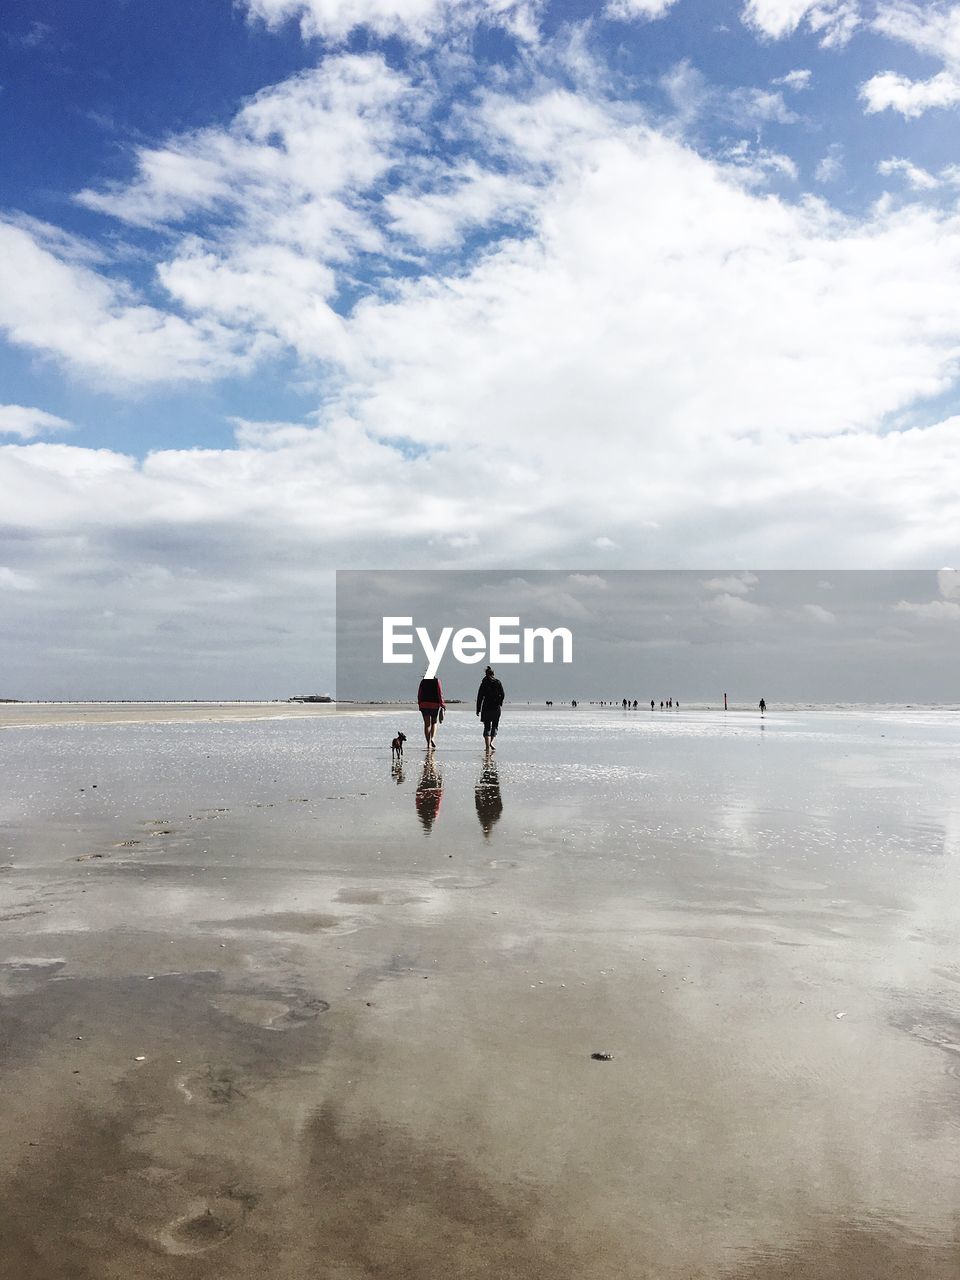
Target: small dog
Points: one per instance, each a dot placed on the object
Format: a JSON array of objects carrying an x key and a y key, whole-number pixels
[{"x": 396, "y": 746}]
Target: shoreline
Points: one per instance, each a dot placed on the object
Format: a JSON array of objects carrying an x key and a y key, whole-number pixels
[{"x": 42, "y": 715}]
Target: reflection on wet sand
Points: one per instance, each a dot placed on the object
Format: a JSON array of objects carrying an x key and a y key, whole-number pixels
[
  {"x": 282, "y": 1043},
  {"x": 487, "y": 796},
  {"x": 429, "y": 793}
]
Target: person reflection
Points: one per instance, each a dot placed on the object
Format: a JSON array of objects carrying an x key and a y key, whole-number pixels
[
  {"x": 429, "y": 793},
  {"x": 488, "y": 798}
]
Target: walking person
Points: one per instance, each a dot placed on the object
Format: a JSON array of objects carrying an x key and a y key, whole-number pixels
[
  {"x": 432, "y": 706},
  {"x": 763, "y": 707},
  {"x": 490, "y": 698}
]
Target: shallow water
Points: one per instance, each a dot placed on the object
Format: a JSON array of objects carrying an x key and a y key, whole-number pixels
[{"x": 270, "y": 1004}]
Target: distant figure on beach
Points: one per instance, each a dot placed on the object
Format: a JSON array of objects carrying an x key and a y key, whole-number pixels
[
  {"x": 661, "y": 704},
  {"x": 652, "y": 707},
  {"x": 624, "y": 704},
  {"x": 490, "y": 698},
  {"x": 487, "y": 795},
  {"x": 763, "y": 706},
  {"x": 634, "y": 704},
  {"x": 429, "y": 793},
  {"x": 431, "y": 704}
]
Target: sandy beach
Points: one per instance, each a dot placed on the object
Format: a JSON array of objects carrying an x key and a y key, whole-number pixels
[
  {"x": 271, "y": 1006},
  {"x": 35, "y": 715}
]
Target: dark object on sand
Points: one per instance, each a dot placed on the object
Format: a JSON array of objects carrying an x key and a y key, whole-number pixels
[
  {"x": 602, "y": 1057},
  {"x": 396, "y": 746}
]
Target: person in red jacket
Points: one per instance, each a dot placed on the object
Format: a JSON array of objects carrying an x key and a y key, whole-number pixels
[{"x": 431, "y": 704}]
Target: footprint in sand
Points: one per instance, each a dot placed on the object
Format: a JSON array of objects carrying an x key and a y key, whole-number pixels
[
  {"x": 206, "y": 1225},
  {"x": 213, "y": 1086},
  {"x": 306, "y": 922},
  {"x": 462, "y": 882},
  {"x": 378, "y": 897},
  {"x": 20, "y": 977},
  {"x": 279, "y": 1012}
]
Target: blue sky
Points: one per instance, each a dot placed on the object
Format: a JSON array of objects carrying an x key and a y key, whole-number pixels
[{"x": 291, "y": 285}]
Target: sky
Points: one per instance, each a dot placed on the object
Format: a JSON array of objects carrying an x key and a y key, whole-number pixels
[
  {"x": 789, "y": 636},
  {"x": 291, "y": 286}
]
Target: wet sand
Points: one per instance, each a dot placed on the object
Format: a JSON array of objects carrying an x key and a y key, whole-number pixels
[{"x": 271, "y": 1006}]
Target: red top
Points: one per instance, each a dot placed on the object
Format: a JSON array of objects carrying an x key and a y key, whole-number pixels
[{"x": 430, "y": 695}]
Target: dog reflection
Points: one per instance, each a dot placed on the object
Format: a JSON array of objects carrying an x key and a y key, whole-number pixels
[
  {"x": 397, "y": 772},
  {"x": 488, "y": 798},
  {"x": 429, "y": 793}
]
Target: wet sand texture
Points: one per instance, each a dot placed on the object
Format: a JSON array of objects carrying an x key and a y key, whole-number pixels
[{"x": 646, "y": 998}]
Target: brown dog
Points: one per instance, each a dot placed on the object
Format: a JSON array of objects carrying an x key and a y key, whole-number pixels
[{"x": 396, "y": 746}]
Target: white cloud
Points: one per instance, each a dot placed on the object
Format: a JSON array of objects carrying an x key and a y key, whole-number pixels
[
  {"x": 755, "y": 164},
  {"x": 915, "y": 177},
  {"x": 289, "y": 166},
  {"x": 833, "y": 20},
  {"x": 948, "y": 583},
  {"x": 693, "y": 96},
  {"x": 820, "y": 614},
  {"x": 739, "y": 584},
  {"x": 797, "y": 80},
  {"x": 734, "y": 609},
  {"x": 12, "y": 580},
  {"x": 931, "y": 610},
  {"x": 102, "y": 328},
  {"x": 470, "y": 197},
  {"x": 27, "y": 423},
  {"x": 830, "y": 166},
  {"x": 910, "y": 97},
  {"x": 414, "y": 20},
  {"x": 625, "y": 10},
  {"x": 930, "y": 29}
]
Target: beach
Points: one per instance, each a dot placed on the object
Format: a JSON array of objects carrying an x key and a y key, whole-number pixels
[{"x": 651, "y": 994}]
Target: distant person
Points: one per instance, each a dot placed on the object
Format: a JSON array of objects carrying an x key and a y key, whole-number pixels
[
  {"x": 624, "y": 704},
  {"x": 431, "y": 704},
  {"x": 428, "y": 794},
  {"x": 661, "y": 704},
  {"x": 490, "y": 698},
  {"x": 488, "y": 799},
  {"x": 763, "y": 706},
  {"x": 634, "y": 704},
  {"x": 652, "y": 707}
]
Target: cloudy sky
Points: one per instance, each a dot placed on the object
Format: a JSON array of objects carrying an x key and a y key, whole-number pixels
[
  {"x": 293, "y": 285},
  {"x": 789, "y": 636}
]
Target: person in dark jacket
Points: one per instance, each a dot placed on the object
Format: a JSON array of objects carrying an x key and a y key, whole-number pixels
[
  {"x": 431, "y": 704},
  {"x": 490, "y": 697}
]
